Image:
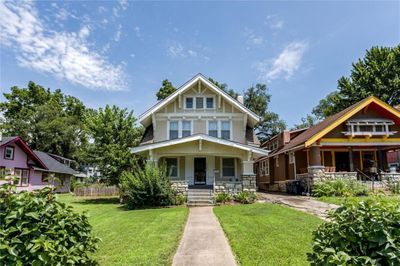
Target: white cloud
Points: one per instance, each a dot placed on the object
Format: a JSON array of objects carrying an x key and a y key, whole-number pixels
[
  {"x": 253, "y": 38},
  {"x": 176, "y": 49},
  {"x": 274, "y": 22},
  {"x": 66, "y": 55},
  {"x": 285, "y": 64},
  {"x": 138, "y": 32},
  {"x": 118, "y": 33}
]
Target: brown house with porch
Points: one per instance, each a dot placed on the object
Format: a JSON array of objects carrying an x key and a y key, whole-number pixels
[{"x": 352, "y": 143}]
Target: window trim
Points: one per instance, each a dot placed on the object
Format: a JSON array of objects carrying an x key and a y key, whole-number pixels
[
  {"x": 222, "y": 167},
  {"x": 193, "y": 103},
  {"x": 169, "y": 128},
  {"x": 202, "y": 99},
  {"x": 191, "y": 127},
  {"x": 209, "y": 97},
  {"x": 20, "y": 178},
  {"x": 13, "y": 153},
  {"x": 177, "y": 166},
  {"x": 230, "y": 128},
  {"x": 208, "y": 127}
]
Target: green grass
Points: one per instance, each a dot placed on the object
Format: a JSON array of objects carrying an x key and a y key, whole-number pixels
[
  {"x": 268, "y": 234},
  {"x": 341, "y": 200},
  {"x": 132, "y": 237}
]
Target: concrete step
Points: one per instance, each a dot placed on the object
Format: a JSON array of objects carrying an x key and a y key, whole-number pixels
[
  {"x": 206, "y": 194},
  {"x": 192, "y": 204}
]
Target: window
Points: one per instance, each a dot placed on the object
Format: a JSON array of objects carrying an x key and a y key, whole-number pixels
[
  {"x": 173, "y": 129},
  {"x": 189, "y": 103},
  {"x": 210, "y": 102},
  {"x": 291, "y": 158},
  {"x": 45, "y": 177},
  {"x": 186, "y": 128},
  {"x": 225, "y": 130},
  {"x": 199, "y": 103},
  {"x": 172, "y": 167},
  {"x": 213, "y": 129},
  {"x": 23, "y": 177},
  {"x": 264, "y": 165},
  {"x": 9, "y": 153},
  {"x": 228, "y": 167}
]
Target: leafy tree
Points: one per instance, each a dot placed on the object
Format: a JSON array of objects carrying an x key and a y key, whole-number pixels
[
  {"x": 48, "y": 121},
  {"x": 306, "y": 122},
  {"x": 378, "y": 74},
  {"x": 114, "y": 132},
  {"x": 166, "y": 89},
  {"x": 224, "y": 87},
  {"x": 257, "y": 98}
]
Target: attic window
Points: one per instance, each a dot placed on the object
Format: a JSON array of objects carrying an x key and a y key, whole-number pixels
[
  {"x": 9, "y": 153},
  {"x": 189, "y": 103},
  {"x": 369, "y": 127},
  {"x": 199, "y": 102},
  {"x": 210, "y": 102}
]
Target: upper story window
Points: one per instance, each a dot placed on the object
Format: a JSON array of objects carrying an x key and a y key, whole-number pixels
[
  {"x": 173, "y": 129},
  {"x": 210, "y": 102},
  {"x": 9, "y": 153},
  {"x": 369, "y": 127},
  {"x": 186, "y": 128},
  {"x": 189, "y": 103},
  {"x": 213, "y": 128},
  {"x": 199, "y": 102},
  {"x": 225, "y": 129}
]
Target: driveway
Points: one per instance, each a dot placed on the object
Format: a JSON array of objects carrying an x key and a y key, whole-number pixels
[{"x": 302, "y": 203}]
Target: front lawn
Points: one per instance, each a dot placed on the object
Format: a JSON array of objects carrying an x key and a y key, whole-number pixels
[
  {"x": 268, "y": 234},
  {"x": 138, "y": 237},
  {"x": 340, "y": 200}
]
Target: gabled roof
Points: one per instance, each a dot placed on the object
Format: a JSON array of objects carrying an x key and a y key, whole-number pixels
[
  {"x": 53, "y": 165},
  {"x": 316, "y": 132},
  {"x": 21, "y": 143},
  {"x": 143, "y": 118},
  {"x": 195, "y": 137}
]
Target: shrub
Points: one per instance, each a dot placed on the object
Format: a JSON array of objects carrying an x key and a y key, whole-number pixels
[
  {"x": 245, "y": 197},
  {"x": 180, "y": 199},
  {"x": 359, "y": 233},
  {"x": 394, "y": 187},
  {"x": 339, "y": 188},
  {"x": 222, "y": 197},
  {"x": 147, "y": 187},
  {"x": 36, "y": 229}
]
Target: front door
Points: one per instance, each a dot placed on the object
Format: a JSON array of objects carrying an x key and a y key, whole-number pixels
[{"x": 199, "y": 171}]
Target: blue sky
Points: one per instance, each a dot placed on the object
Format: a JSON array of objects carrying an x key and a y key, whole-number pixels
[{"x": 106, "y": 52}]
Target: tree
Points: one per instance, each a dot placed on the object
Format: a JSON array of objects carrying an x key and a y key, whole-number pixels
[
  {"x": 166, "y": 89},
  {"x": 378, "y": 74},
  {"x": 257, "y": 98},
  {"x": 114, "y": 132},
  {"x": 48, "y": 121},
  {"x": 306, "y": 122},
  {"x": 224, "y": 87}
]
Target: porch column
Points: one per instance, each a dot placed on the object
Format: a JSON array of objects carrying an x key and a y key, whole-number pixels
[
  {"x": 316, "y": 170},
  {"x": 248, "y": 168},
  {"x": 315, "y": 156},
  {"x": 351, "y": 159},
  {"x": 151, "y": 159}
]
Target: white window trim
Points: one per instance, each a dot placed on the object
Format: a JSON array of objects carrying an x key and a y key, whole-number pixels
[
  {"x": 220, "y": 128},
  {"x": 222, "y": 167},
  {"x": 180, "y": 133},
  {"x": 12, "y": 152},
  {"x": 205, "y": 100},
  {"x": 177, "y": 162},
  {"x": 195, "y": 103},
  {"x": 169, "y": 127},
  {"x": 180, "y": 127},
  {"x": 184, "y": 103}
]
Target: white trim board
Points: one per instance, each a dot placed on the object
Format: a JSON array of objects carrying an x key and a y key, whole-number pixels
[
  {"x": 199, "y": 137},
  {"x": 198, "y": 78}
]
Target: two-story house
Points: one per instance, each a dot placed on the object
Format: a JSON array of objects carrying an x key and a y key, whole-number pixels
[{"x": 203, "y": 136}]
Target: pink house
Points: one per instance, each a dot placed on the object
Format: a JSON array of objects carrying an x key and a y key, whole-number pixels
[{"x": 34, "y": 169}]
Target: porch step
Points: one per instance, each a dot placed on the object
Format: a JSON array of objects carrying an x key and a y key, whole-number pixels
[{"x": 200, "y": 197}]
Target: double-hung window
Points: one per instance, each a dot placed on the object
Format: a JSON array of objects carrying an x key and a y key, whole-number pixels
[
  {"x": 23, "y": 177},
  {"x": 172, "y": 167},
  {"x": 213, "y": 129},
  {"x": 199, "y": 102},
  {"x": 186, "y": 128},
  {"x": 189, "y": 103},
  {"x": 9, "y": 153},
  {"x": 209, "y": 102},
  {"x": 225, "y": 129},
  {"x": 228, "y": 167},
  {"x": 173, "y": 129}
]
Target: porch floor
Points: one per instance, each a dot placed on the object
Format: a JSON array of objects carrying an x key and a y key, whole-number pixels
[{"x": 200, "y": 187}]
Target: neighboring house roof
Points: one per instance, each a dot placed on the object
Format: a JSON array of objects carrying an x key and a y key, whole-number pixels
[
  {"x": 21, "y": 143},
  {"x": 316, "y": 132},
  {"x": 53, "y": 165},
  {"x": 144, "y": 118},
  {"x": 195, "y": 137}
]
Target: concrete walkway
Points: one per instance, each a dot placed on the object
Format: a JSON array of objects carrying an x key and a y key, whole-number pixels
[
  {"x": 302, "y": 203},
  {"x": 203, "y": 241}
]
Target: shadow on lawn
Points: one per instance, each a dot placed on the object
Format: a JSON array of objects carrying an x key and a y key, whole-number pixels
[{"x": 109, "y": 200}]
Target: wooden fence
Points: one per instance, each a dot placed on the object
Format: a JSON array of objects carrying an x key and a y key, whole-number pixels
[{"x": 95, "y": 191}]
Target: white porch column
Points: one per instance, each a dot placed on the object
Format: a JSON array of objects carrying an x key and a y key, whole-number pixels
[
  {"x": 248, "y": 168},
  {"x": 151, "y": 159}
]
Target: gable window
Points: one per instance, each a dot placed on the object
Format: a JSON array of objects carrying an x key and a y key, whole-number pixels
[
  {"x": 213, "y": 129},
  {"x": 173, "y": 129},
  {"x": 186, "y": 128},
  {"x": 199, "y": 102},
  {"x": 22, "y": 177},
  {"x": 9, "y": 153},
  {"x": 225, "y": 129},
  {"x": 210, "y": 103},
  {"x": 189, "y": 103},
  {"x": 172, "y": 167},
  {"x": 228, "y": 167}
]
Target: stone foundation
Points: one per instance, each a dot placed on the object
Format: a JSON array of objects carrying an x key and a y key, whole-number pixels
[
  {"x": 248, "y": 183},
  {"x": 181, "y": 186},
  {"x": 277, "y": 187}
]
